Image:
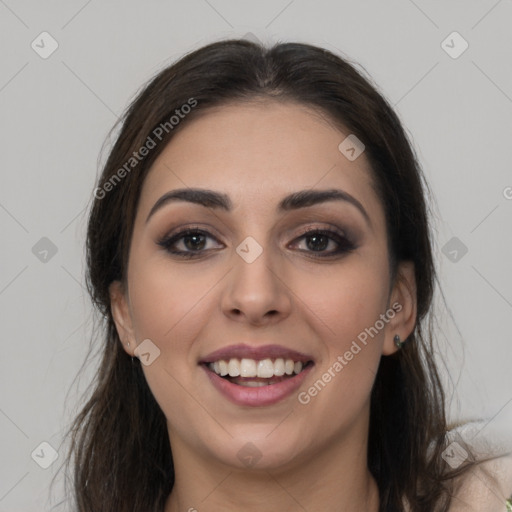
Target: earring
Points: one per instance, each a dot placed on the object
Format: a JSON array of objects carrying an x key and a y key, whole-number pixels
[
  {"x": 128, "y": 344},
  {"x": 398, "y": 342}
]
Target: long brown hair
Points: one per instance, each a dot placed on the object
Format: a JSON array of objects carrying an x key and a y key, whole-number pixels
[{"x": 120, "y": 452}]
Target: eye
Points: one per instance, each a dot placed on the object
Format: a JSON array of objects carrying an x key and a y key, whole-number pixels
[
  {"x": 320, "y": 240},
  {"x": 187, "y": 243},
  {"x": 195, "y": 242}
]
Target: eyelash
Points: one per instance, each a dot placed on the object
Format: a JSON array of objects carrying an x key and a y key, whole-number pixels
[{"x": 344, "y": 244}]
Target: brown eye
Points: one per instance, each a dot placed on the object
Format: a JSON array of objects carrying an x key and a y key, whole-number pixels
[
  {"x": 319, "y": 241},
  {"x": 188, "y": 243},
  {"x": 194, "y": 243}
]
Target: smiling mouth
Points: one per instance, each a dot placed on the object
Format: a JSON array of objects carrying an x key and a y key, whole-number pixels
[{"x": 257, "y": 373}]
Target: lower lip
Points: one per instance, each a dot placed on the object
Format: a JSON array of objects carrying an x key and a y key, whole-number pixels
[{"x": 257, "y": 397}]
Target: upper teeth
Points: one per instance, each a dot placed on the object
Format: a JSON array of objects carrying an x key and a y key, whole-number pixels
[{"x": 265, "y": 368}]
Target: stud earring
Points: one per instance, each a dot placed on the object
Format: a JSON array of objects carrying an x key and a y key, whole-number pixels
[
  {"x": 398, "y": 342},
  {"x": 128, "y": 344}
]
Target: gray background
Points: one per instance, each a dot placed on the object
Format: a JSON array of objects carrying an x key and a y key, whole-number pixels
[{"x": 55, "y": 115}]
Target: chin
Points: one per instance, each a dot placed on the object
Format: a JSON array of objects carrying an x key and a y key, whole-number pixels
[{"x": 259, "y": 451}]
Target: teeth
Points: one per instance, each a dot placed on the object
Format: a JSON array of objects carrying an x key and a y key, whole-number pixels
[
  {"x": 233, "y": 367},
  {"x": 266, "y": 368},
  {"x": 223, "y": 368},
  {"x": 253, "y": 384},
  {"x": 279, "y": 367},
  {"x": 247, "y": 367}
]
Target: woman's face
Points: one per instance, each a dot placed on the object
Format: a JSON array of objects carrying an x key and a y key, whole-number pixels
[{"x": 249, "y": 291}]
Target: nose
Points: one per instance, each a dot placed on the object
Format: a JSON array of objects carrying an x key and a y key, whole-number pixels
[{"x": 257, "y": 292}]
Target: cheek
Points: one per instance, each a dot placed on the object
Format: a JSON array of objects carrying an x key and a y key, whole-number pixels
[
  {"x": 169, "y": 308},
  {"x": 349, "y": 300},
  {"x": 347, "y": 310},
  {"x": 166, "y": 303}
]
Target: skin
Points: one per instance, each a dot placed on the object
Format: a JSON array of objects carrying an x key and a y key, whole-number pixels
[{"x": 313, "y": 456}]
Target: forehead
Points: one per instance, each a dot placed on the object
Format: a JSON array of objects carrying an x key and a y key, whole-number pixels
[{"x": 259, "y": 152}]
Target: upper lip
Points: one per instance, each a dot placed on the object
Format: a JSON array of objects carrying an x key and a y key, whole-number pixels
[{"x": 258, "y": 353}]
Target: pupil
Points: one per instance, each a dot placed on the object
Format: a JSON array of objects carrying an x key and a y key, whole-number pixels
[
  {"x": 320, "y": 246},
  {"x": 198, "y": 241}
]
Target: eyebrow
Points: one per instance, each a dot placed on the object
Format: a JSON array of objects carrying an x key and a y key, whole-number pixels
[{"x": 300, "y": 199}]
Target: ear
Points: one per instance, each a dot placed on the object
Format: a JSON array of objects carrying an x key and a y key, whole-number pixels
[
  {"x": 403, "y": 302},
  {"x": 120, "y": 309}
]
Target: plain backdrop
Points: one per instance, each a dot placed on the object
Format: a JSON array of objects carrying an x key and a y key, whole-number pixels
[{"x": 56, "y": 110}]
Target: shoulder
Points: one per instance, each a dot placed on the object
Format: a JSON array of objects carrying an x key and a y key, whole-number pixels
[{"x": 486, "y": 486}]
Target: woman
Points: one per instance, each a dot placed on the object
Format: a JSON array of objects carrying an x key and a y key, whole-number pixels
[{"x": 260, "y": 250}]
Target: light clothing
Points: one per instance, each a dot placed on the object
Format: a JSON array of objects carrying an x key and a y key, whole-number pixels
[{"x": 487, "y": 487}]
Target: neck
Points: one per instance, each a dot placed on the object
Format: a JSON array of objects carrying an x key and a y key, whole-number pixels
[{"x": 334, "y": 480}]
